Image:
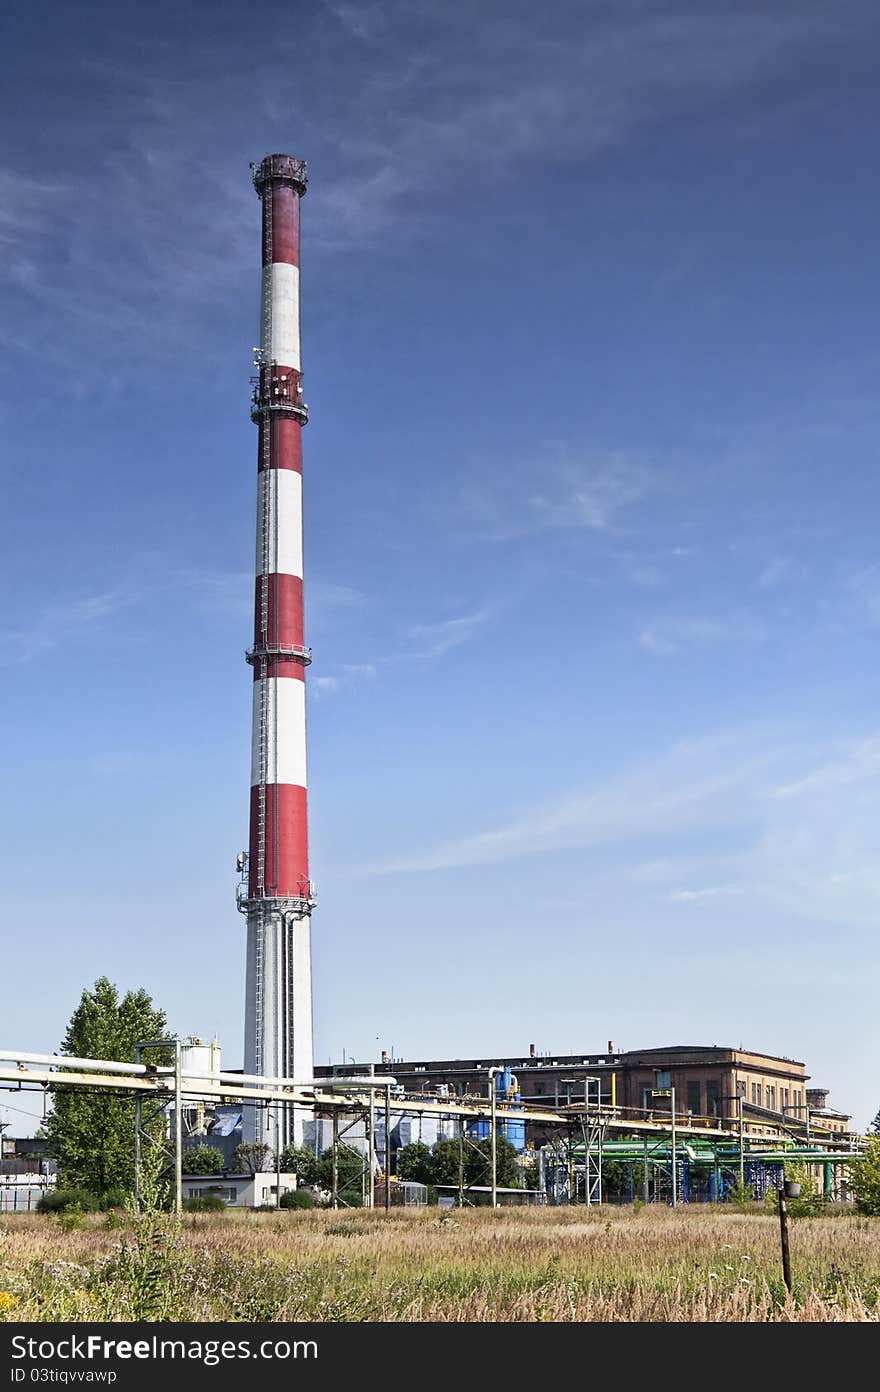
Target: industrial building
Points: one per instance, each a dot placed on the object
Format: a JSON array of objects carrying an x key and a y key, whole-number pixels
[{"x": 711, "y": 1083}]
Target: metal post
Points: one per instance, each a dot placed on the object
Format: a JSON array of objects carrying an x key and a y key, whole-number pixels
[
  {"x": 646, "y": 1193},
  {"x": 178, "y": 1132},
  {"x": 334, "y": 1197},
  {"x": 137, "y": 1139},
  {"x": 674, "y": 1155},
  {"x": 387, "y": 1147},
  {"x": 494, "y": 1145},
  {"x": 461, "y": 1125},
  {"x": 783, "y": 1235},
  {"x": 278, "y": 1155},
  {"x": 371, "y": 1151},
  {"x": 742, "y": 1158}
]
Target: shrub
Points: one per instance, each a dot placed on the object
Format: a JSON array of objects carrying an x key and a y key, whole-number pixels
[
  {"x": 741, "y": 1196},
  {"x": 67, "y": 1201},
  {"x": 114, "y": 1198},
  {"x": 297, "y": 1198},
  {"x": 202, "y": 1160},
  {"x": 864, "y": 1176},
  {"x": 205, "y": 1203}
]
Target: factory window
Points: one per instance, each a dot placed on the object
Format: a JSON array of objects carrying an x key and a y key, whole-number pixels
[
  {"x": 756, "y": 1096},
  {"x": 693, "y": 1095},
  {"x": 713, "y": 1092},
  {"x": 539, "y": 1089},
  {"x": 662, "y": 1078}
]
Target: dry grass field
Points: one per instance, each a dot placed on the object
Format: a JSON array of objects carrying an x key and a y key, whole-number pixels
[{"x": 702, "y": 1264}]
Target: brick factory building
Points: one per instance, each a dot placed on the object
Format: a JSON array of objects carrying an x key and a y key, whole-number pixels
[{"x": 710, "y": 1082}]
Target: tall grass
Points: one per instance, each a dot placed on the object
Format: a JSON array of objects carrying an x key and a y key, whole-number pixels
[{"x": 547, "y": 1264}]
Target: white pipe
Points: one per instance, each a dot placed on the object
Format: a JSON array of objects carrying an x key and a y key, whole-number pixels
[
  {"x": 68, "y": 1061},
  {"x": 313, "y": 1084}
]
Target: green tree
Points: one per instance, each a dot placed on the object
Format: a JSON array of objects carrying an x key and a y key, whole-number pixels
[
  {"x": 444, "y": 1166},
  {"x": 202, "y": 1160},
  {"x": 253, "y": 1157},
  {"x": 92, "y": 1135},
  {"x": 350, "y": 1169},
  {"x": 414, "y": 1162},
  {"x": 864, "y": 1178},
  {"x": 615, "y": 1179},
  {"x": 302, "y": 1162}
]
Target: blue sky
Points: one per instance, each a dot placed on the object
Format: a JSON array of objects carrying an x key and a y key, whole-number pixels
[{"x": 593, "y": 579}]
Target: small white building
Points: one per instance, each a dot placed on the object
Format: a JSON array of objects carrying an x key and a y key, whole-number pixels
[{"x": 240, "y": 1190}]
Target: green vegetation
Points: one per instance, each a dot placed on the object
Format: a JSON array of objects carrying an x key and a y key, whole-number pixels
[
  {"x": 300, "y": 1161},
  {"x": 253, "y": 1158},
  {"x": 204, "y": 1203},
  {"x": 202, "y": 1160},
  {"x": 68, "y": 1200},
  {"x": 297, "y": 1198},
  {"x": 91, "y": 1134},
  {"x": 703, "y": 1263},
  {"x": 865, "y": 1178},
  {"x": 439, "y": 1164}
]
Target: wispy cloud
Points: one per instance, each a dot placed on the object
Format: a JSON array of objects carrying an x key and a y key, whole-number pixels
[
  {"x": 777, "y": 570},
  {"x": 666, "y": 637},
  {"x": 852, "y": 762},
  {"x": 349, "y": 678},
  {"x": 396, "y": 100},
  {"x": 592, "y": 494},
  {"x": 62, "y": 620},
  {"x": 635, "y": 804},
  {"x": 788, "y": 823},
  {"x": 696, "y": 896},
  {"x": 435, "y": 639}
]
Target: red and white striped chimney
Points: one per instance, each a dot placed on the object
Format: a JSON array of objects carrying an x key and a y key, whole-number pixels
[{"x": 278, "y": 897}]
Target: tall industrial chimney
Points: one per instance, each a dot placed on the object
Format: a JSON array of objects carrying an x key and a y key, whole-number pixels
[{"x": 277, "y": 895}]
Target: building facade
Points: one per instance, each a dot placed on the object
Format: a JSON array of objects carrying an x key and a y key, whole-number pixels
[{"x": 712, "y": 1084}]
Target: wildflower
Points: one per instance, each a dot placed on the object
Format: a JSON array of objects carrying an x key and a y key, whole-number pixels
[
  {"x": 713, "y": 1275},
  {"x": 744, "y": 1281},
  {"x": 7, "y": 1302}
]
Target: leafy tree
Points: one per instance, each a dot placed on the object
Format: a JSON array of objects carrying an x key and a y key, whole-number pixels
[
  {"x": 864, "y": 1178},
  {"x": 202, "y": 1160},
  {"x": 414, "y": 1162},
  {"x": 615, "y": 1179},
  {"x": 444, "y": 1166},
  {"x": 350, "y": 1171},
  {"x": 92, "y": 1134},
  {"x": 444, "y": 1162},
  {"x": 297, "y": 1198},
  {"x": 253, "y": 1157},
  {"x": 874, "y": 1128},
  {"x": 302, "y": 1162}
]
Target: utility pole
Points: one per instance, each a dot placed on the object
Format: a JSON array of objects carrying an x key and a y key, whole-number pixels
[
  {"x": 790, "y": 1190},
  {"x": 371, "y": 1150},
  {"x": 742, "y": 1158},
  {"x": 334, "y": 1198},
  {"x": 674, "y": 1154},
  {"x": 387, "y": 1147},
  {"x": 461, "y": 1125},
  {"x": 277, "y": 1155},
  {"x": 178, "y": 1133},
  {"x": 494, "y": 1144}
]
